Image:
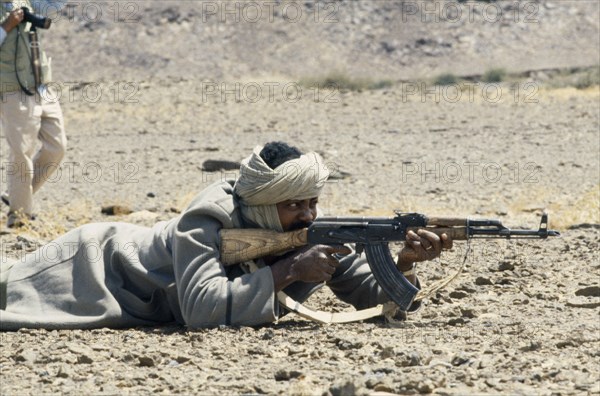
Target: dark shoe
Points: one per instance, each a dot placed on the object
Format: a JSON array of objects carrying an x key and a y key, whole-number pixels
[
  {"x": 18, "y": 220},
  {"x": 4, "y": 198}
]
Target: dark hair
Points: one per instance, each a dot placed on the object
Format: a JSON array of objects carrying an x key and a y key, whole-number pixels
[{"x": 276, "y": 153}]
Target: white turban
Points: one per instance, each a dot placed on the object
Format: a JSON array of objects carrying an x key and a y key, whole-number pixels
[{"x": 261, "y": 188}]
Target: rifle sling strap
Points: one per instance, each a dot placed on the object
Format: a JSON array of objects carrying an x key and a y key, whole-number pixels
[
  {"x": 328, "y": 317},
  {"x": 430, "y": 290}
]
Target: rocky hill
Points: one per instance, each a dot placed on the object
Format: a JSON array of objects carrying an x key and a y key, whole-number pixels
[{"x": 93, "y": 41}]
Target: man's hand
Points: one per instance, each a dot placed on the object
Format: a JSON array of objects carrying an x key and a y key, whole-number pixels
[
  {"x": 14, "y": 18},
  {"x": 422, "y": 246},
  {"x": 310, "y": 264},
  {"x": 316, "y": 263}
]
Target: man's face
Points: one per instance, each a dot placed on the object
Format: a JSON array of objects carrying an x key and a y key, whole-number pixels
[{"x": 295, "y": 214}]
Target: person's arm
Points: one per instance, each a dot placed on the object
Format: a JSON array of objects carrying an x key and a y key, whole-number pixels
[
  {"x": 207, "y": 297},
  {"x": 9, "y": 23}
]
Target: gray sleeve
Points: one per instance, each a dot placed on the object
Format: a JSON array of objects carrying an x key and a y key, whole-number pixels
[
  {"x": 354, "y": 283},
  {"x": 206, "y": 296}
]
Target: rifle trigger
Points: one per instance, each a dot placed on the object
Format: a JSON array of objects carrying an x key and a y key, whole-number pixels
[{"x": 359, "y": 248}]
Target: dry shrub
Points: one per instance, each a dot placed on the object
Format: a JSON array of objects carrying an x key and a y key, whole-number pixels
[
  {"x": 52, "y": 224},
  {"x": 446, "y": 79},
  {"x": 494, "y": 75},
  {"x": 563, "y": 214},
  {"x": 585, "y": 210},
  {"x": 344, "y": 82}
]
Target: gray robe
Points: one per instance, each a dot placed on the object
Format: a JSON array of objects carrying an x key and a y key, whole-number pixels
[{"x": 122, "y": 275}]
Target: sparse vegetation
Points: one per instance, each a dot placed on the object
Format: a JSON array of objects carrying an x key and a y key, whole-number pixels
[
  {"x": 494, "y": 76},
  {"x": 589, "y": 79},
  {"x": 445, "y": 79},
  {"x": 582, "y": 211},
  {"x": 580, "y": 78},
  {"x": 344, "y": 82}
]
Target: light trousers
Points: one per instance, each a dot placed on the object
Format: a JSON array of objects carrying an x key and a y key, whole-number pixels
[{"x": 25, "y": 120}]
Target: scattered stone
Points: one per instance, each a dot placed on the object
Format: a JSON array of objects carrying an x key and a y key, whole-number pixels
[
  {"x": 286, "y": 375},
  {"x": 99, "y": 347},
  {"x": 410, "y": 359},
  {"x": 6, "y": 231},
  {"x": 346, "y": 344},
  {"x": 534, "y": 209},
  {"x": 64, "y": 372},
  {"x": 82, "y": 353},
  {"x": 533, "y": 346},
  {"x": 269, "y": 334},
  {"x": 385, "y": 385},
  {"x": 414, "y": 359},
  {"x": 584, "y": 226},
  {"x": 374, "y": 381},
  {"x": 458, "y": 294},
  {"x": 567, "y": 343},
  {"x": 456, "y": 321},
  {"x": 388, "y": 47},
  {"x": 173, "y": 363},
  {"x": 426, "y": 386},
  {"x": 128, "y": 357},
  {"x": 459, "y": 359},
  {"x": 220, "y": 165},
  {"x": 582, "y": 302},
  {"x": 438, "y": 129},
  {"x": 502, "y": 211},
  {"x": 84, "y": 359},
  {"x": 590, "y": 291},
  {"x": 26, "y": 243},
  {"x": 146, "y": 361},
  {"x": 182, "y": 359},
  {"x": 468, "y": 312},
  {"x": 483, "y": 280},
  {"x": 467, "y": 288},
  {"x": 387, "y": 352},
  {"x": 294, "y": 350},
  {"x": 116, "y": 210},
  {"x": 26, "y": 356},
  {"x": 506, "y": 266},
  {"x": 343, "y": 388},
  {"x": 43, "y": 373},
  {"x": 492, "y": 383}
]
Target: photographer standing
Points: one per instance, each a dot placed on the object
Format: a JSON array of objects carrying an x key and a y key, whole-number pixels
[{"x": 27, "y": 113}]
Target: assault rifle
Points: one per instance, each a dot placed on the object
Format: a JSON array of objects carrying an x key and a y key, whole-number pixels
[{"x": 371, "y": 235}]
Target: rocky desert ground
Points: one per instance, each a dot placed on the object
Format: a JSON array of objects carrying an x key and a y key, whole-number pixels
[{"x": 153, "y": 90}]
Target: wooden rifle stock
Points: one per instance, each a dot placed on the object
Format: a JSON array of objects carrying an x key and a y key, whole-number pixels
[{"x": 239, "y": 245}]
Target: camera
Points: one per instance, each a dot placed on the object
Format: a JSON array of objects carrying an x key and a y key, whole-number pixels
[{"x": 35, "y": 20}]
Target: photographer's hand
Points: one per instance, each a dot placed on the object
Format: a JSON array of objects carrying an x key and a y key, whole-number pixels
[{"x": 13, "y": 19}]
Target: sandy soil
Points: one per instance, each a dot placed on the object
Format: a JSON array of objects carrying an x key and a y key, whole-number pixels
[{"x": 521, "y": 319}]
